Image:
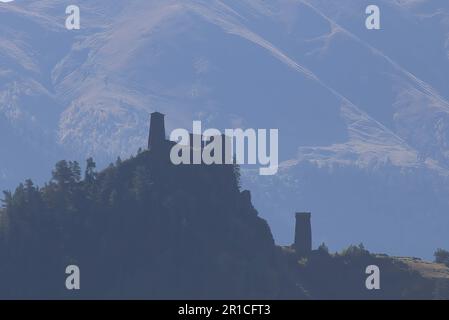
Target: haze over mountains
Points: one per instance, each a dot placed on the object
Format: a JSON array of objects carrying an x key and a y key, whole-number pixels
[{"x": 363, "y": 114}]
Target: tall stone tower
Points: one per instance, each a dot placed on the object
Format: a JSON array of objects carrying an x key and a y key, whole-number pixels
[
  {"x": 303, "y": 233},
  {"x": 157, "y": 130}
]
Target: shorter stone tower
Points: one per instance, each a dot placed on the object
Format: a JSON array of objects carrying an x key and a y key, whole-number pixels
[
  {"x": 303, "y": 233},
  {"x": 157, "y": 131}
]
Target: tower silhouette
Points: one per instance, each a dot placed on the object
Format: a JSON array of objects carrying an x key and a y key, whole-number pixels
[
  {"x": 157, "y": 130},
  {"x": 303, "y": 233}
]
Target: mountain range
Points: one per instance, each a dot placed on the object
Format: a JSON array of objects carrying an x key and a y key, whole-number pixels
[{"x": 363, "y": 115}]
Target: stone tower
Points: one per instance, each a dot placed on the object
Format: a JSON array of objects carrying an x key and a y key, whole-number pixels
[
  {"x": 303, "y": 233},
  {"x": 157, "y": 130}
]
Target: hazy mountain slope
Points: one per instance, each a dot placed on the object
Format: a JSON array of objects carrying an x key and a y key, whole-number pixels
[
  {"x": 147, "y": 229},
  {"x": 340, "y": 95}
]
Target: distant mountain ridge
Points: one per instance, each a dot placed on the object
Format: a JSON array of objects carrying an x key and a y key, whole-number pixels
[{"x": 341, "y": 96}]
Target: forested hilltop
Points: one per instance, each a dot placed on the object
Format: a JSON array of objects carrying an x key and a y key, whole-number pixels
[{"x": 144, "y": 228}]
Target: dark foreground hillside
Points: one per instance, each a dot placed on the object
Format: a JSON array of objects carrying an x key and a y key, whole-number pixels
[{"x": 144, "y": 228}]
